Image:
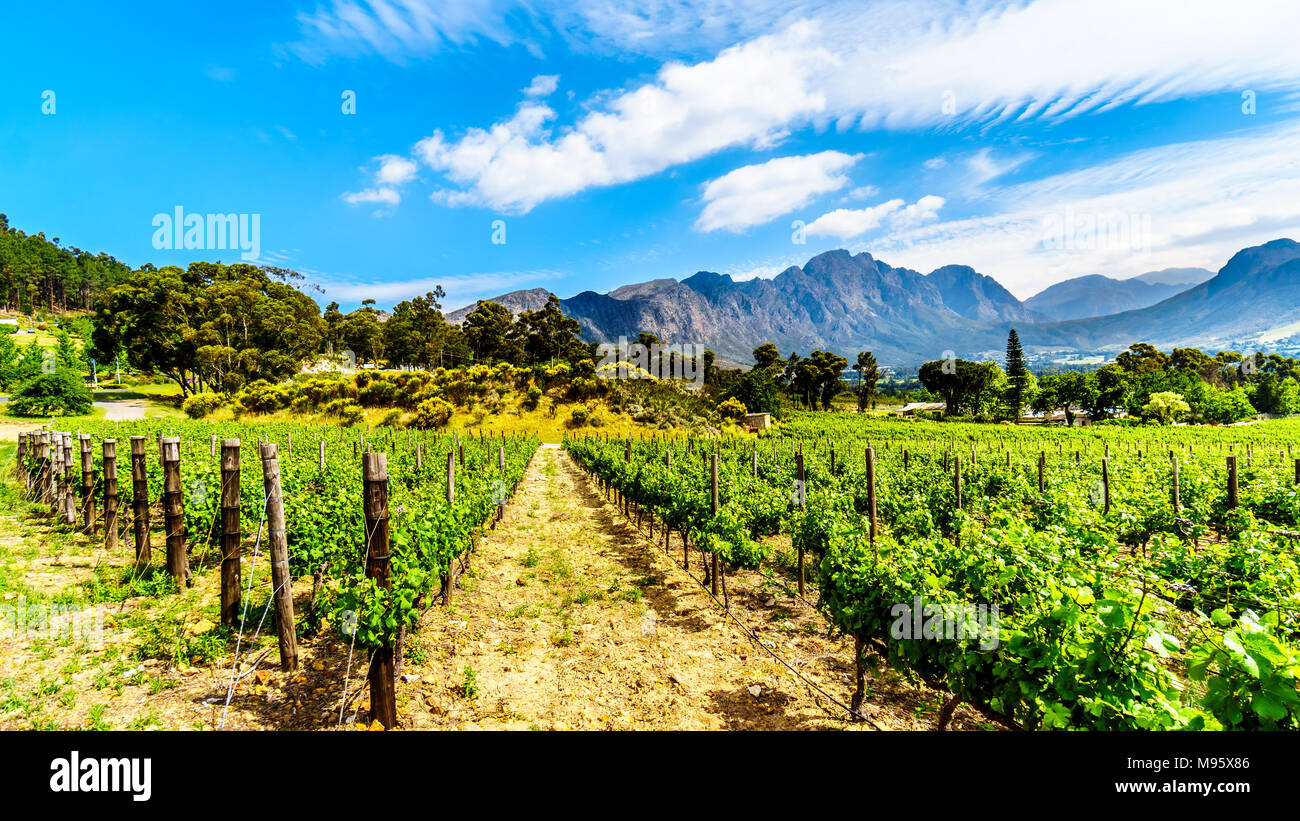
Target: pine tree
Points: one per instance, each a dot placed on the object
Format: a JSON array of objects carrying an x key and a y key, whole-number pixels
[{"x": 1017, "y": 376}]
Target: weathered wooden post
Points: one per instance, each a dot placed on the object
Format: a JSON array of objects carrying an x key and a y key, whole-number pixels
[
  {"x": 20, "y": 459},
  {"x": 55, "y": 499},
  {"x": 374, "y": 472},
  {"x": 277, "y": 542},
  {"x": 321, "y": 457},
  {"x": 1105, "y": 484},
  {"x": 44, "y": 467},
  {"x": 174, "y": 510},
  {"x": 1178, "y": 502},
  {"x": 230, "y": 570},
  {"x": 449, "y": 578},
  {"x": 69, "y": 481},
  {"x": 140, "y": 501},
  {"x": 803, "y": 500},
  {"x": 1232, "y": 481},
  {"x": 956, "y": 478},
  {"x": 713, "y": 509},
  {"x": 110, "y": 494},
  {"x": 87, "y": 483},
  {"x": 871, "y": 491},
  {"x": 1042, "y": 465}
]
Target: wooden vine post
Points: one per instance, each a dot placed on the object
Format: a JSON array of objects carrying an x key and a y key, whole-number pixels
[
  {"x": 110, "y": 494},
  {"x": 1232, "y": 481},
  {"x": 174, "y": 510},
  {"x": 803, "y": 500},
  {"x": 871, "y": 492},
  {"x": 1105, "y": 485},
  {"x": 44, "y": 469},
  {"x": 87, "y": 483},
  {"x": 1042, "y": 465},
  {"x": 382, "y": 675},
  {"x": 449, "y": 578},
  {"x": 1178, "y": 502},
  {"x": 230, "y": 570},
  {"x": 140, "y": 502},
  {"x": 21, "y": 456},
  {"x": 278, "y": 545},
  {"x": 713, "y": 509}
]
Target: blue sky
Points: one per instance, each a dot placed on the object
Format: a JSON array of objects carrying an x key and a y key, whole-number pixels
[{"x": 620, "y": 142}]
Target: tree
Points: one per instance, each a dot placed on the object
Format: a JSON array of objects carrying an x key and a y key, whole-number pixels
[
  {"x": 757, "y": 390},
  {"x": 868, "y": 375},
  {"x": 547, "y": 334},
  {"x": 1142, "y": 358},
  {"x": 1017, "y": 393},
  {"x": 963, "y": 386},
  {"x": 1065, "y": 392},
  {"x": 211, "y": 324},
  {"x": 487, "y": 330},
  {"x": 767, "y": 356},
  {"x": 363, "y": 334},
  {"x": 1225, "y": 406},
  {"x": 1165, "y": 407},
  {"x": 61, "y": 393},
  {"x": 416, "y": 333}
]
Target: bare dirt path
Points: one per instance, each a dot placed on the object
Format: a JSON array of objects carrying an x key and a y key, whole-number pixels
[{"x": 571, "y": 618}]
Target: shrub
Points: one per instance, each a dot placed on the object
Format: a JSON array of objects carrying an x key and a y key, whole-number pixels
[
  {"x": 533, "y": 396},
  {"x": 263, "y": 397},
  {"x": 200, "y": 405},
  {"x": 732, "y": 408},
  {"x": 377, "y": 392},
  {"x": 432, "y": 413},
  {"x": 61, "y": 393},
  {"x": 391, "y": 419},
  {"x": 347, "y": 411},
  {"x": 578, "y": 417}
]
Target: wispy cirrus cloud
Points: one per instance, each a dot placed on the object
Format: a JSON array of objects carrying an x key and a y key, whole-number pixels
[
  {"x": 886, "y": 65},
  {"x": 1187, "y": 204}
]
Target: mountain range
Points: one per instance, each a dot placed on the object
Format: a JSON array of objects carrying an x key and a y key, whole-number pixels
[
  {"x": 1097, "y": 295},
  {"x": 847, "y": 303}
]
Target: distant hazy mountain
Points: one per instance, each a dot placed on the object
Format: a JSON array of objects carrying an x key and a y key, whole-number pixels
[
  {"x": 1255, "y": 297},
  {"x": 1186, "y": 277},
  {"x": 1097, "y": 295},
  {"x": 848, "y": 303}
]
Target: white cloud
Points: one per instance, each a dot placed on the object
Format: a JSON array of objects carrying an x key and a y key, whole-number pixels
[
  {"x": 392, "y": 173},
  {"x": 395, "y": 170},
  {"x": 406, "y": 29},
  {"x": 888, "y": 65},
  {"x": 934, "y": 163},
  {"x": 687, "y": 112},
  {"x": 845, "y": 223},
  {"x": 543, "y": 85},
  {"x": 385, "y": 196},
  {"x": 864, "y": 192},
  {"x": 1188, "y": 204},
  {"x": 919, "y": 212},
  {"x": 755, "y": 194}
]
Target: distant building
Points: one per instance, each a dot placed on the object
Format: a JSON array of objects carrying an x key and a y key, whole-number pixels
[
  {"x": 758, "y": 421},
  {"x": 910, "y": 409}
]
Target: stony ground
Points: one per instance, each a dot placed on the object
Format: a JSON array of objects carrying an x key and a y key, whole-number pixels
[{"x": 569, "y": 616}]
